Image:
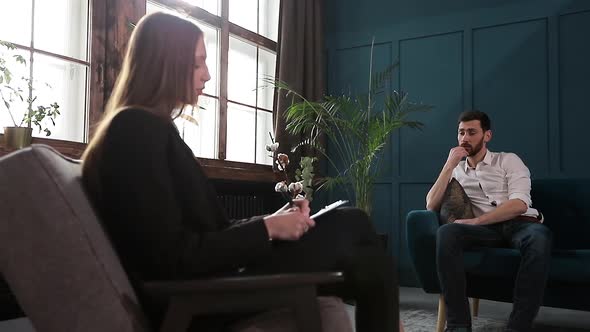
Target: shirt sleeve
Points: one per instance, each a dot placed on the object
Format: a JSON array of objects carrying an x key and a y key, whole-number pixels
[
  {"x": 146, "y": 219},
  {"x": 518, "y": 178}
]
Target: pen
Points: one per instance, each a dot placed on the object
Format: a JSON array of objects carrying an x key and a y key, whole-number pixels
[
  {"x": 288, "y": 198},
  {"x": 286, "y": 206}
]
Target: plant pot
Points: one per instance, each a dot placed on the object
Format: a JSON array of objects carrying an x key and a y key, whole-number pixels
[{"x": 17, "y": 137}]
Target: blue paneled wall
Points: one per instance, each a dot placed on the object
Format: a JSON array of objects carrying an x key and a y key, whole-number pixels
[{"x": 526, "y": 63}]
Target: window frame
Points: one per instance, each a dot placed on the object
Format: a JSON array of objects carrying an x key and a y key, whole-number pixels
[
  {"x": 32, "y": 50},
  {"x": 226, "y": 28},
  {"x": 110, "y": 24}
]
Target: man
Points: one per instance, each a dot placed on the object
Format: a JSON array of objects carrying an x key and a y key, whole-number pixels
[{"x": 498, "y": 185}]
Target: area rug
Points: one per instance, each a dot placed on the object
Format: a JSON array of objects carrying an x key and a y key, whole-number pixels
[{"x": 420, "y": 320}]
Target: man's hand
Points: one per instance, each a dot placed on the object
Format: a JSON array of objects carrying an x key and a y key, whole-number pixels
[
  {"x": 436, "y": 193},
  {"x": 455, "y": 155},
  {"x": 472, "y": 221}
]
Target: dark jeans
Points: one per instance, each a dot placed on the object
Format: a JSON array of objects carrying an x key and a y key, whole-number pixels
[
  {"x": 532, "y": 239},
  {"x": 345, "y": 240}
]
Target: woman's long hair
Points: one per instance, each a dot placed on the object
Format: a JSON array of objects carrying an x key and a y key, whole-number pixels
[{"x": 156, "y": 75}]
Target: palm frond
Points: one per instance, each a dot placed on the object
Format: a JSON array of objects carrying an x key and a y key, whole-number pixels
[{"x": 356, "y": 134}]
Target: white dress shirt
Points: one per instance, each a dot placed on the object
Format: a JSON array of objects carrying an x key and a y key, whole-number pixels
[{"x": 500, "y": 176}]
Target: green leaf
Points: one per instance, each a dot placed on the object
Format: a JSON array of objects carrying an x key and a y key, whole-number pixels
[
  {"x": 356, "y": 130},
  {"x": 20, "y": 59}
]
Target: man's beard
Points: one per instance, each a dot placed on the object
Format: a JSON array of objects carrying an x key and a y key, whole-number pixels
[{"x": 473, "y": 150}]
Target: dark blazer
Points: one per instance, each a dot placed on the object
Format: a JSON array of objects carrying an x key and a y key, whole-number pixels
[{"x": 159, "y": 209}]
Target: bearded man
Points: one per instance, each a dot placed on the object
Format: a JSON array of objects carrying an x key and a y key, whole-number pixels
[{"x": 498, "y": 185}]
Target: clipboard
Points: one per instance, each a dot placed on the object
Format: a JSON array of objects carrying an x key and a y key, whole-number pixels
[{"x": 328, "y": 208}]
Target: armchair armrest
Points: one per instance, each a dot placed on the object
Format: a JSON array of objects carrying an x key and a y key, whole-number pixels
[
  {"x": 421, "y": 239},
  {"x": 242, "y": 294}
]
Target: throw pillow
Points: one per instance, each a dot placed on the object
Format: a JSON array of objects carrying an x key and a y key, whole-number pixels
[{"x": 455, "y": 204}]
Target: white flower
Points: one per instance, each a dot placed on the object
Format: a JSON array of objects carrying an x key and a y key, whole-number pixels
[
  {"x": 281, "y": 187},
  {"x": 282, "y": 161},
  {"x": 295, "y": 188},
  {"x": 273, "y": 147}
]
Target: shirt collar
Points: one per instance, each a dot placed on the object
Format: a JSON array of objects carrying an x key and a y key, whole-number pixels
[{"x": 487, "y": 159}]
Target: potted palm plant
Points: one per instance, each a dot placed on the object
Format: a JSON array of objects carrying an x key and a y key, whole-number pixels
[
  {"x": 18, "y": 91},
  {"x": 356, "y": 128}
]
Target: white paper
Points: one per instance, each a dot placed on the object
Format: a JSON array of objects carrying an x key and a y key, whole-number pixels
[{"x": 329, "y": 208}]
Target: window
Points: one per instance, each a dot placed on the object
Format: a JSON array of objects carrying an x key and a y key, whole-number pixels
[
  {"x": 235, "y": 112},
  {"x": 53, "y": 38}
]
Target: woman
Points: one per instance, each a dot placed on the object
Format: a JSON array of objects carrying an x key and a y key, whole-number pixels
[{"x": 163, "y": 215}]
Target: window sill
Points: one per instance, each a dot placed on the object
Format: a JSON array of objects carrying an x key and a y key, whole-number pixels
[
  {"x": 215, "y": 169},
  {"x": 67, "y": 148},
  {"x": 232, "y": 170}
]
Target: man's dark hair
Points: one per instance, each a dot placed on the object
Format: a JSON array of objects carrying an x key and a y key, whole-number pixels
[{"x": 483, "y": 118}]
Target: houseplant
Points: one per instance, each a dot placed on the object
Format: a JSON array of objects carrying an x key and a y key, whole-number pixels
[
  {"x": 356, "y": 128},
  {"x": 17, "y": 93}
]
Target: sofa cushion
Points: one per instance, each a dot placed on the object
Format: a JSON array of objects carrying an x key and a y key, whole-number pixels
[
  {"x": 455, "y": 204},
  {"x": 565, "y": 204}
]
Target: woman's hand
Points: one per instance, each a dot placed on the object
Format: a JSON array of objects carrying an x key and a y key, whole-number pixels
[
  {"x": 289, "y": 224},
  {"x": 300, "y": 203}
]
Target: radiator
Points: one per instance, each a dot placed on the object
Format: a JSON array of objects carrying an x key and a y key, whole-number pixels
[{"x": 244, "y": 206}]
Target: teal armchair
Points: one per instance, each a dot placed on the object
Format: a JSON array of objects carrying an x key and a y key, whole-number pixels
[{"x": 490, "y": 272}]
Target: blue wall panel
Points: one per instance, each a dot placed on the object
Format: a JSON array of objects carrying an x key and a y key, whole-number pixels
[
  {"x": 510, "y": 84},
  {"x": 524, "y": 62},
  {"x": 574, "y": 74},
  {"x": 352, "y": 78},
  {"x": 431, "y": 72},
  {"x": 382, "y": 195}
]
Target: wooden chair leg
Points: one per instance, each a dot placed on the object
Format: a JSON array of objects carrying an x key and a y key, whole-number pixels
[
  {"x": 442, "y": 315},
  {"x": 475, "y": 306}
]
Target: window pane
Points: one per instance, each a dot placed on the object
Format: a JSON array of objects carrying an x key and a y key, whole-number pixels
[
  {"x": 19, "y": 73},
  {"x": 212, "y": 46},
  {"x": 212, "y": 6},
  {"x": 152, "y": 7},
  {"x": 264, "y": 126},
  {"x": 244, "y": 13},
  {"x": 240, "y": 133},
  {"x": 61, "y": 26},
  {"x": 201, "y": 138},
  {"x": 15, "y": 25},
  {"x": 268, "y": 26},
  {"x": 266, "y": 71},
  {"x": 241, "y": 72},
  {"x": 67, "y": 87}
]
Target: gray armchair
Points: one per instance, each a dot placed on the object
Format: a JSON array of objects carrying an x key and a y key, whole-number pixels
[{"x": 66, "y": 275}]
